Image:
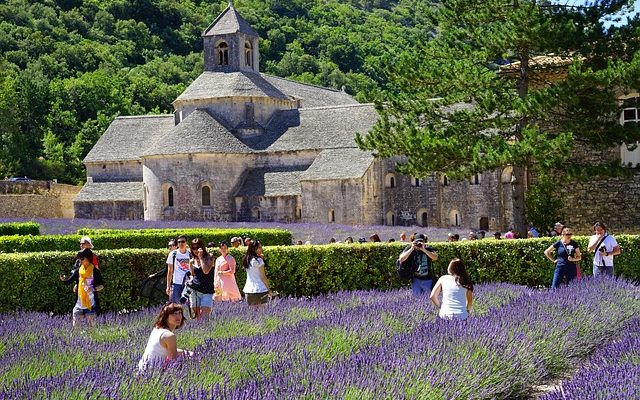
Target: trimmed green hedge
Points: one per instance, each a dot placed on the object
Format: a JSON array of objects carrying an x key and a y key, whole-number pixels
[
  {"x": 153, "y": 239},
  {"x": 30, "y": 281},
  {"x": 19, "y": 228}
]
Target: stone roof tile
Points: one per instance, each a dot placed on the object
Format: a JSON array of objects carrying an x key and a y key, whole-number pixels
[
  {"x": 310, "y": 95},
  {"x": 210, "y": 85},
  {"x": 127, "y": 137},
  {"x": 110, "y": 191},
  {"x": 272, "y": 182},
  {"x": 338, "y": 164},
  {"x": 198, "y": 133},
  {"x": 229, "y": 21}
]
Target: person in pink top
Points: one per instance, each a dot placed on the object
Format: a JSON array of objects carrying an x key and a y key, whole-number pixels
[
  {"x": 510, "y": 234},
  {"x": 226, "y": 288}
]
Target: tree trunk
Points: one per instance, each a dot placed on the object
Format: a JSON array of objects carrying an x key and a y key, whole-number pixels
[{"x": 517, "y": 198}]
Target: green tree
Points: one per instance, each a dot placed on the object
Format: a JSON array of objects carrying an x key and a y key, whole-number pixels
[{"x": 453, "y": 110}]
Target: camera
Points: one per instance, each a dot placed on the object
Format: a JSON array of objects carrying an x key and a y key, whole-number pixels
[
  {"x": 419, "y": 245},
  {"x": 603, "y": 249},
  {"x": 185, "y": 295},
  {"x": 572, "y": 253}
]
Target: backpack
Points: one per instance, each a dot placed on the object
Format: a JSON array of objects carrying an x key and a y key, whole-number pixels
[{"x": 407, "y": 268}]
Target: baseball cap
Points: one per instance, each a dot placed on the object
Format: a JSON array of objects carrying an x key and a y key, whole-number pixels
[
  {"x": 420, "y": 238},
  {"x": 235, "y": 239},
  {"x": 223, "y": 243},
  {"x": 86, "y": 239},
  {"x": 558, "y": 224}
]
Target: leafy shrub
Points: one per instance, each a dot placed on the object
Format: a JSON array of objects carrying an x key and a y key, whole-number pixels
[
  {"x": 143, "y": 239},
  {"x": 30, "y": 280},
  {"x": 19, "y": 228}
]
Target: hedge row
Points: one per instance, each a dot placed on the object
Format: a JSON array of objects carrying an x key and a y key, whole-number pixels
[
  {"x": 19, "y": 228},
  {"x": 29, "y": 281},
  {"x": 154, "y": 239}
]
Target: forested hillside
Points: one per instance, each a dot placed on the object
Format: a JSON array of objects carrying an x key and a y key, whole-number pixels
[{"x": 68, "y": 67}]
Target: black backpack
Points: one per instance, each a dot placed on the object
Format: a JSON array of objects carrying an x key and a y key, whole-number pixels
[{"x": 407, "y": 268}]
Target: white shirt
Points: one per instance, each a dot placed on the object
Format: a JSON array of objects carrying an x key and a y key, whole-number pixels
[
  {"x": 254, "y": 282},
  {"x": 609, "y": 243},
  {"x": 454, "y": 298},
  {"x": 154, "y": 354},
  {"x": 180, "y": 267}
]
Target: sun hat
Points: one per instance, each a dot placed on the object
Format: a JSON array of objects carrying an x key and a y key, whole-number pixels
[{"x": 86, "y": 239}]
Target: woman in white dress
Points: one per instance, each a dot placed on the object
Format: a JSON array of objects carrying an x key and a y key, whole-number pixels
[
  {"x": 457, "y": 292},
  {"x": 162, "y": 346}
]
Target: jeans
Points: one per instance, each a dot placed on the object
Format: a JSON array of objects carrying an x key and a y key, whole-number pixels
[
  {"x": 563, "y": 271},
  {"x": 176, "y": 293},
  {"x": 421, "y": 286},
  {"x": 600, "y": 270}
]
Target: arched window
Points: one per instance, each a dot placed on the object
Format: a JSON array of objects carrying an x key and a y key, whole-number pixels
[
  {"x": 248, "y": 54},
  {"x": 223, "y": 53},
  {"x": 206, "y": 196},
  {"x": 444, "y": 180},
  {"x": 170, "y": 197},
  {"x": 454, "y": 218},
  {"x": 391, "y": 218},
  {"x": 299, "y": 212},
  {"x": 507, "y": 175},
  {"x": 475, "y": 179},
  {"x": 415, "y": 181},
  {"x": 421, "y": 217},
  {"x": 332, "y": 216},
  {"x": 390, "y": 180},
  {"x": 255, "y": 213},
  {"x": 484, "y": 223}
]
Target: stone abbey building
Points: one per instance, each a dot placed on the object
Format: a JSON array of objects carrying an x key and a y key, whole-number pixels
[{"x": 245, "y": 146}]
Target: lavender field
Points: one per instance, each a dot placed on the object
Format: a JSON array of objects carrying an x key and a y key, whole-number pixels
[
  {"x": 316, "y": 233},
  {"x": 348, "y": 345}
]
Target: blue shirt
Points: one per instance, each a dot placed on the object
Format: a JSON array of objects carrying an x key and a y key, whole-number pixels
[{"x": 563, "y": 251}]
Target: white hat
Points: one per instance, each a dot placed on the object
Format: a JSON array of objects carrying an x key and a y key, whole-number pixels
[{"x": 86, "y": 239}]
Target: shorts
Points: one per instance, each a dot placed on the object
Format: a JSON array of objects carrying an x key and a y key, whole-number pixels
[
  {"x": 257, "y": 298},
  {"x": 199, "y": 299},
  {"x": 81, "y": 312}
]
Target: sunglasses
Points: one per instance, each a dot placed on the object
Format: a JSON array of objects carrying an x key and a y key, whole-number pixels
[
  {"x": 182, "y": 241},
  {"x": 568, "y": 234}
]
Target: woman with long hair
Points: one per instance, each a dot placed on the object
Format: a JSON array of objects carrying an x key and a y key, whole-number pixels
[
  {"x": 162, "y": 346},
  {"x": 202, "y": 278},
  {"x": 256, "y": 288},
  {"x": 567, "y": 254},
  {"x": 88, "y": 282},
  {"x": 226, "y": 288},
  {"x": 457, "y": 292}
]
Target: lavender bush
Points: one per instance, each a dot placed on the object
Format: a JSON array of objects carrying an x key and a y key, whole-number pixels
[
  {"x": 612, "y": 372},
  {"x": 351, "y": 345}
]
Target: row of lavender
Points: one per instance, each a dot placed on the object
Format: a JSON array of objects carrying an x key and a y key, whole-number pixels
[
  {"x": 612, "y": 372},
  {"x": 348, "y": 345}
]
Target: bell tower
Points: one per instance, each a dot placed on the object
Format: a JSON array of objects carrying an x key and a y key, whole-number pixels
[{"x": 230, "y": 44}]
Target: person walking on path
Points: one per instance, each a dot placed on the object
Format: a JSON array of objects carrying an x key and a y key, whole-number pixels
[{"x": 88, "y": 281}]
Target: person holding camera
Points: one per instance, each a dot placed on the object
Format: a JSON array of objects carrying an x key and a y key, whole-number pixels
[
  {"x": 423, "y": 256},
  {"x": 88, "y": 281},
  {"x": 177, "y": 268},
  {"x": 202, "y": 279},
  {"x": 605, "y": 248},
  {"x": 567, "y": 254},
  {"x": 162, "y": 346}
]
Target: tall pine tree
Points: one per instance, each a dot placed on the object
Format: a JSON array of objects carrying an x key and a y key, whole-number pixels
[{"x": 517, "y": 83}]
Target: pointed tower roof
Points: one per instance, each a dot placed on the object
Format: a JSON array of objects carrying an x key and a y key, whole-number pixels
[{"x": 229, "y": 21}]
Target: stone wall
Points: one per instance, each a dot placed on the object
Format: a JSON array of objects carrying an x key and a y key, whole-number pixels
[
  {"x": 37, "y": 199},
  {"x": 121, "y": 210}
]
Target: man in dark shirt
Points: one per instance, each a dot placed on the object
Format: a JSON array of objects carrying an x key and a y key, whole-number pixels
[{"x": 423, "y": 257}]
